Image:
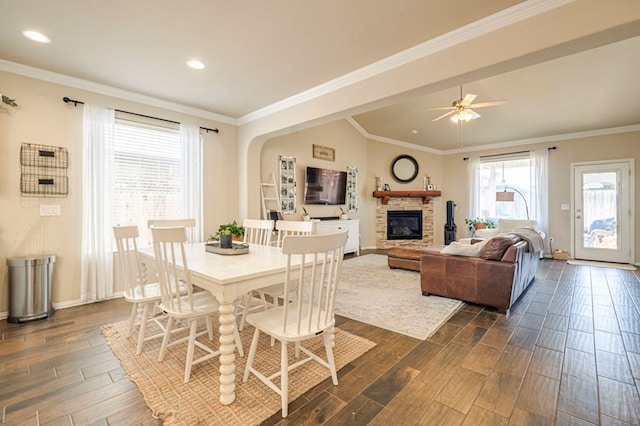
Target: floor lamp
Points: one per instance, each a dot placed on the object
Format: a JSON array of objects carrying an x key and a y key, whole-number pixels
[{"x": 509, "y": 196}]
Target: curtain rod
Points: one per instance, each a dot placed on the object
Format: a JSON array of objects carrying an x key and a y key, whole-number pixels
[
  {"x": 508, "y": 153},
  {"x": 76, "y": 102}
]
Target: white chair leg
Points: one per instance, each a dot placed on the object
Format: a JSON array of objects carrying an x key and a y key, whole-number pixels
[
  {"x": 246, "y": 303},
  {"x": 330, "y": 360},
  {"x": 190, "y": 350},
  {"x": 142, "y": 329},
  {"x": 284, "y": 379},
  {"x": 165, "y": 339},
  {"x": 209, "y": 327},
  {"x": 263, "y": 298},
  {"x": 132, "y": 318},
  {"x": 236, "y": 336},
  {"x": 252, "y": 354}
]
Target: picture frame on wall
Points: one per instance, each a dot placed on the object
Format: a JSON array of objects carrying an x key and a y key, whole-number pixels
[
  {"x": 324, "y": 153},
  {"x": 287, "y": 185}
]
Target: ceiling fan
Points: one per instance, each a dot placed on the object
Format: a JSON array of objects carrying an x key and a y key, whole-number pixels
[{"x": 460, "y": 109}]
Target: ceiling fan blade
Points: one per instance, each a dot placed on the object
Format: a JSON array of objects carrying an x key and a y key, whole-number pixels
[
  {"x": 439, "y": 108},
  {"x": 444, "y": 115},
  {"x": 489, "y": 103},
  {"x": 468, "y": 98}
]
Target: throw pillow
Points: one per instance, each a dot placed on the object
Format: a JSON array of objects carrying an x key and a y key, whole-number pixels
[{"x": 495, "y": 247}]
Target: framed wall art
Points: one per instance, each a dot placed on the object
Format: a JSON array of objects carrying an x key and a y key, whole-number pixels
[
  {"x": 324, "y": 153},
  {"x": 352, "y": 189},
  {"x": 287, "y": 184}
]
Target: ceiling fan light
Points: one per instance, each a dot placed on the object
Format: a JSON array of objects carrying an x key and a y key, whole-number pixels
[
  {"x": 461, "y": 116},
  {"x": 464, "y": 115}
]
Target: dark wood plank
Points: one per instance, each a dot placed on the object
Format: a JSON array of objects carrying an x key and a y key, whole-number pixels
[
  {"x": 462, "y": 390},
  {"x": 568, "y": 352},
  {"x": 579, "y": 397}
]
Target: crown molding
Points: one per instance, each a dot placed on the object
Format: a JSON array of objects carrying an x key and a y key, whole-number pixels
[
  {"x": 551, "y": 139},
  {"x": 65, "y": 80},
  {"x": 390, "y": 141},
  {"x": 504, "y": 18},
  {"x": 510, "y": 144}
]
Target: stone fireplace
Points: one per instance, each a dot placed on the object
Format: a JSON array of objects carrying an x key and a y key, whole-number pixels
[{"x": 399, "y": 203}]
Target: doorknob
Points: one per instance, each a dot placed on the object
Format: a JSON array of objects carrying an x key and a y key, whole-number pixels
[{"x": 578, "y": 217}]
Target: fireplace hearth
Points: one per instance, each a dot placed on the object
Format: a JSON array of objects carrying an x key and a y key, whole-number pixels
[{"x": 404, "y": 225}]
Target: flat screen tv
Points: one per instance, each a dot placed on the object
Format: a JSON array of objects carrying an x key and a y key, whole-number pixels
[{"x": 324, "y": 186}]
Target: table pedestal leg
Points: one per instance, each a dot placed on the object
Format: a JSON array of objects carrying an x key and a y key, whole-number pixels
[{"x": 227, "y": 354}]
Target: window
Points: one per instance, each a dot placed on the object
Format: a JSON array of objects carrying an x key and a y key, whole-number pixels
[
  {"x": 526, "y": 177},
  {"x": 147, "y": 175},
  {"x": 514, "y": 175}
]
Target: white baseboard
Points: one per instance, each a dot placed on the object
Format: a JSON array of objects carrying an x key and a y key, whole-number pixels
[{"x": 70, "y": 304}]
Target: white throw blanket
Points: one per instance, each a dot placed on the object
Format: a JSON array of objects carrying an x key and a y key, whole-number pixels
[{"x": 532, "y": 237}]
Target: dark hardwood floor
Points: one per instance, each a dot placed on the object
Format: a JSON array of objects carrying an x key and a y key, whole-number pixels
[{"x": 567, "y": 354}]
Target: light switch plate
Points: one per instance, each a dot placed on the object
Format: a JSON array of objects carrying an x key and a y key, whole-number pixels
[
  {"x": 564, "y": 206},
  {"x": 49, "y": 210}
]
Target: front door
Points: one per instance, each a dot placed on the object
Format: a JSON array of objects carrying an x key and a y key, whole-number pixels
[{"x": 602, "y": 216}]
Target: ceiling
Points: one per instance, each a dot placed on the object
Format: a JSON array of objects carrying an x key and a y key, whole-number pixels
[
  {"x": 584, "y": 92},
  {"x": 258, "y": 53}
]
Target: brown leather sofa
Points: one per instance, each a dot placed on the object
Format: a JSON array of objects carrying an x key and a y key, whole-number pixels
[{"x": 497, "y": 278}]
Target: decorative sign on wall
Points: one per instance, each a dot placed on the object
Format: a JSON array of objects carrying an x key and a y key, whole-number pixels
[
  {"x": 44, "y": 170},
  {"x": 287, "y": 184},
  {"x": 352, "y": 189},
  {"x": 324, "y": 153}
]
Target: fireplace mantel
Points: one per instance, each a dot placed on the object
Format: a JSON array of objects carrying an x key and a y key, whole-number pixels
[{"x": 425, "y": 195}]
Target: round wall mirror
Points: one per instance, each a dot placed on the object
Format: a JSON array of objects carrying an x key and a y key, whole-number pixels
[{"x": 404, "y": 168}]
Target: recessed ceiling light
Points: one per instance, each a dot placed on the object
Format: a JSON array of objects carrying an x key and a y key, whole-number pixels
[
  {"x": 195, "y": 64},
  {"x": 414, "y": 132},
  {"x": 36, "y": 36}
]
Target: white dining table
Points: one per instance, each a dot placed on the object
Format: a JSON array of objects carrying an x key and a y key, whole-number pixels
[{"x": 229, "y": 277}]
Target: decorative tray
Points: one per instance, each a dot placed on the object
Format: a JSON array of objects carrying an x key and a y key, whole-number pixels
[{"x": 238, "y": 248}]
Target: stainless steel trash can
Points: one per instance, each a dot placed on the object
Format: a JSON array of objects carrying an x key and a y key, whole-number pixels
[{"x": 30, "y": 287}]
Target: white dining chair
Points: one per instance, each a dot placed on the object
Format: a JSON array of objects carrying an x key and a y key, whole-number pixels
[
  {"x": 310, "y": 315},
  {"x": 285, "y": 228},
  {"x": 143, "y": 296},
  {"x": 173, "y": 269},
  {"x": 292, "y": 227},
  {"x": 256, "y": 231},
  {"x": 189, "y": 225}
]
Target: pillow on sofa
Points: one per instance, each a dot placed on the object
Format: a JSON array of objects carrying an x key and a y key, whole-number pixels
[
  {"x": 495, "y": 247},
  {"x": 459, "y": 249}
]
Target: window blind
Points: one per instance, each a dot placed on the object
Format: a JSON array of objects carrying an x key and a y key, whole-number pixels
[{"x": 147, "y": 175}]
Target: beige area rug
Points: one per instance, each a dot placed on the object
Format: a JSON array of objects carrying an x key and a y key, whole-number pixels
[
  {"x": 197, "y": 402},
  {"x": 372, "y": 293},
  {"x": 624, "y": 266}
]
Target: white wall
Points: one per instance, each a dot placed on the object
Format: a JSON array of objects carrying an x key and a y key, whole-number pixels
[
  {"x": 350, "y": 151},
  {"x": 43, "y": 118}
]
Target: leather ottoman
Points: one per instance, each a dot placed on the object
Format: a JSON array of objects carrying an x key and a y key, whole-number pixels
[{"x": 408, "y": 256}]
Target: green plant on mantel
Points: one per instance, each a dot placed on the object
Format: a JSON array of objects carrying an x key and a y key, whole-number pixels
[
  {"x": 471, "y": 223},
  {"x": 7, "y": 100},
  {"x": 229, "y": 229}
]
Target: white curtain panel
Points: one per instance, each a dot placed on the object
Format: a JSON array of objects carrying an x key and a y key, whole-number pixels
[
  {"x": 540, "y": 188},
  {"x": 191, "y": 158},
  {"x": 96, "y": 282},
  {"x": 473, "y": 171}
]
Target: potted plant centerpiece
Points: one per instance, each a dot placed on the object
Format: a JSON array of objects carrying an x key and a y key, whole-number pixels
[{"x": 227, "y": 233}]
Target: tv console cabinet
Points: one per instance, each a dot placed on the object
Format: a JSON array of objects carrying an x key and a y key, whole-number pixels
[{"x": 352, "y": 225}]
